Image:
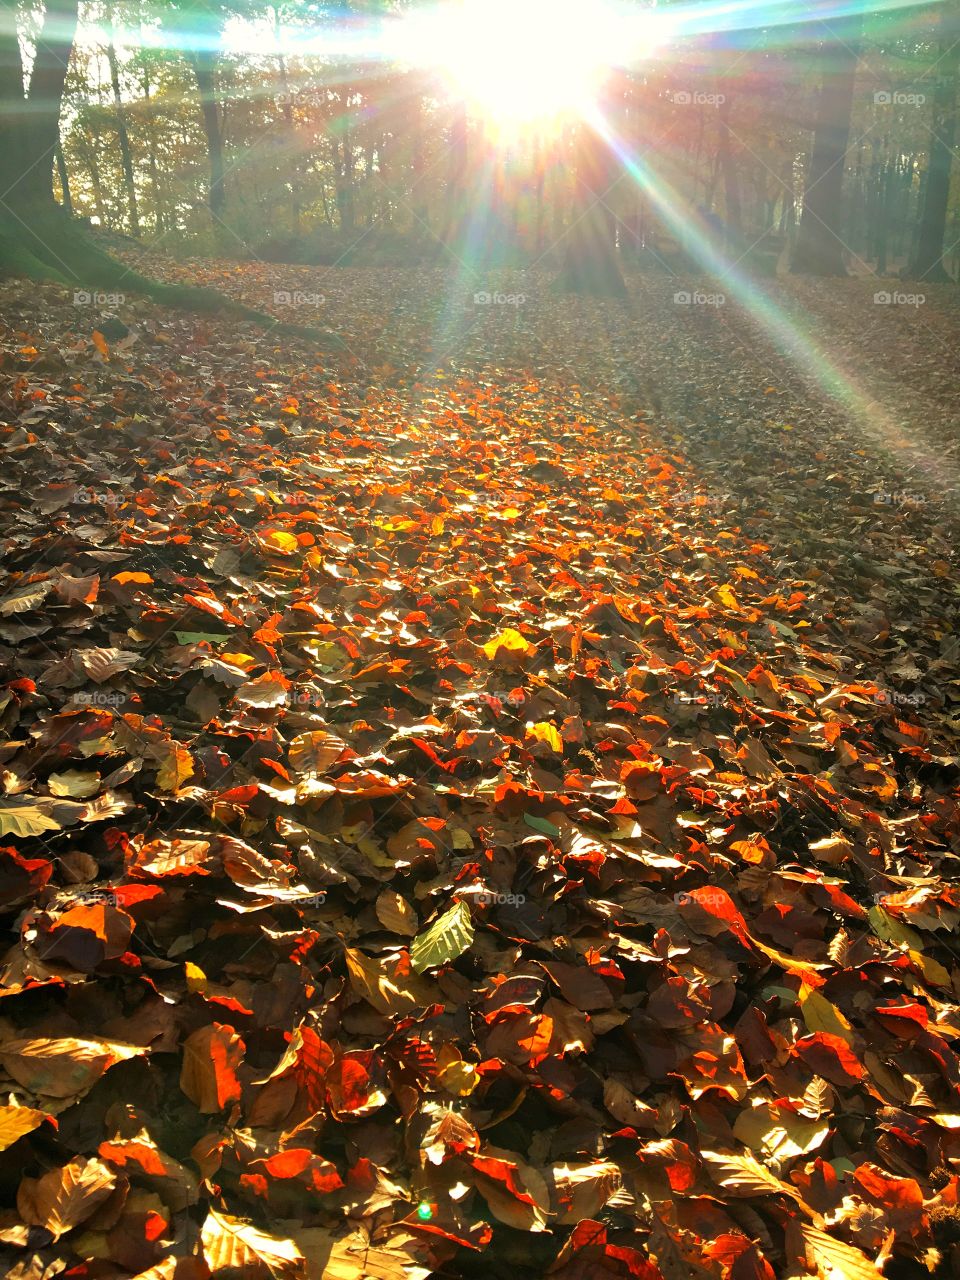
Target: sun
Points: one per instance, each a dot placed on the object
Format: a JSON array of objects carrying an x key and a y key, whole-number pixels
[{"x": 521, "y": 63}]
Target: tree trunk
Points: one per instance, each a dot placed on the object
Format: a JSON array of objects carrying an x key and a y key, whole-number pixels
[
  {"x": 204, "y": 63},
  {"x": 928, "y": 262},
  {"x": 126, "y": 156},
  {"x": 159, "y": 220},
  {"x": 732, "y": 205},
  {"x": 289, "y": 152},
  {"x": 30, "y": 130},
  {"x": 590, "y": 262},
  {"x": 456, "y": 175},
  {"x": 12, "y": 103},
  {"x": 64, "y": 177},
  {"x": 819, "y": 247},
  {"x": 418, "y": 195}
]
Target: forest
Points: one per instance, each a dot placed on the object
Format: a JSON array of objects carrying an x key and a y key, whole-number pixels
[{"x": 479, "y": 666}]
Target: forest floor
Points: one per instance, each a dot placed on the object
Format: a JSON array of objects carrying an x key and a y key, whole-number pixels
[{"x": 482, "y": 802}]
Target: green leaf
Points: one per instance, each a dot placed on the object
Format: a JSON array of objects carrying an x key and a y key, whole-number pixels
[
  {"x": 541, "y": 824},
  {"x": 446, "y": 939},
  {"x": 194, "y": 637}
]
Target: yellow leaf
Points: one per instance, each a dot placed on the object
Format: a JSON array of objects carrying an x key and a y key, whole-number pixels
[
  {"x": 25, "y": 816},
  {"x": 242, "y": 660},
  {"x": 278, "y": 540},
  {"x": 835, "y": 1260},
  {"x": 196, "y": 978},
  {"x": 176, "y": 768},
  {"x": 510, "y": 640},
  {"x": 546, "y": 732},
  {"x": 231, "y": 1245},
  {"x": 779, "y": 1134},
  {"x": 890, "y": 929},
  {"x": 820, "y": 1015},
  {"x": 74, "y": 783},
  {"x": 396, "y": 914},
  {"x": 16, "y": 1121},
  {"x": 931, "y": 969},
  {"x": 459, "y": 1078},
  {"x": 724, "y": 595}
]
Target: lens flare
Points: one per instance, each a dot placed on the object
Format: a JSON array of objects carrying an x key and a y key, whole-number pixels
[{"x": 519, "y": 63}]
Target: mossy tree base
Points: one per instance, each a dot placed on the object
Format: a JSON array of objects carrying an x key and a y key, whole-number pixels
[{"x": 44, "y": 243}]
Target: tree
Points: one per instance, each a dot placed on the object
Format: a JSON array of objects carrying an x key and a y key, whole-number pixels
[
  {"x": 30, "y": 123},
  {"x": 123, "y": 137},
  {"x": 819, "y": 247},
  {"x": 200, "y": 36},
  {"x": 928, "y": 261},
  {"x": 38, "y": 238},
  {"x": 590, "y": 263}
]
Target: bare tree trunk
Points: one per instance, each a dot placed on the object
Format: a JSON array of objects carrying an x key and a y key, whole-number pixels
[
  {"x": 590, "y": 262},
  {"x": 928, "y": 261},
  {"x": 12, "y": 102},
  {"x": 159, "y": 219},
  {"x": 819, "y": 247},
  {"x": 126, "y": 156},
  {"x": 731, "y": 178},
  {"x": 30, "y": 132},
  {"x": 289, "y": 152},
  {"x": 64, "y": 178},
  {"x": 204, "y": 63},
  {"x": 419, "y": 204},
  {"x": 456, "y": 174}
]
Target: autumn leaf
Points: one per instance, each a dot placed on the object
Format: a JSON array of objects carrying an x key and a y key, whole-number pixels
[
  {"x": 509, "y": 641},
  {"x": 833, "y": 1258},
  {"x": 446, "y": 939},
  {"x": 211, "y": 1056},
  {"x": 396, "y": 914},
  {"x": 177, "y": 767},
  {"x": 62, "y": 1198},
  {"x": 24, "y": 816},
  {"x": 17, "y": 1121},
  {"x": 232, "y": 1245},
  {"x": 62, "y": 1068}
]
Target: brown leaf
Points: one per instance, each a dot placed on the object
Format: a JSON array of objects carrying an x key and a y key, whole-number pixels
[
  {"x": 208, "y": 1074},
  {"x": 63, "y": 1198}
]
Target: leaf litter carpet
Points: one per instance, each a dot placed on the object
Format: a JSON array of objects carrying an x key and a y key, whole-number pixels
[{"x": 444, "y": 832}]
